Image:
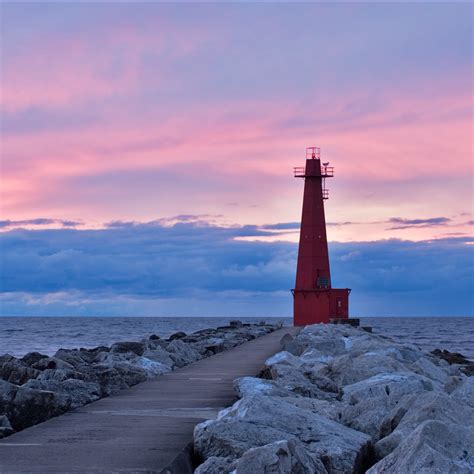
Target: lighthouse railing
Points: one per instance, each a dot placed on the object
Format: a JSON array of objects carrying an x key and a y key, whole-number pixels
[{"x": 326, "y": 172}]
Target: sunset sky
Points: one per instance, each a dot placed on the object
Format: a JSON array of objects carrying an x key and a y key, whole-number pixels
[{"x": 147, "y": 153}]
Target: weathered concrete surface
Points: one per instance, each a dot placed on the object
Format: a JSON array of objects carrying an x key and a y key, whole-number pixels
[{"x": 142, "y": 428}]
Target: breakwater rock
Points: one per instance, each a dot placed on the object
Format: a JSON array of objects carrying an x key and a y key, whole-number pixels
[
  {"x": 340, "y": 400},
  {"x": 37, "y": 387}
]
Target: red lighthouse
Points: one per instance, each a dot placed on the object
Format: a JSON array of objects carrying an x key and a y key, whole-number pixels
[{"x": 314, "y": 299}]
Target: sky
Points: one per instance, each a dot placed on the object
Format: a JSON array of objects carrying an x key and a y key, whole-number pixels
[{"x": 147, "y": 153}]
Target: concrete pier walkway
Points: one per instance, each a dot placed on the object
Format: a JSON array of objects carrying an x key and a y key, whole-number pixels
[{"x": 141, "y": 429}]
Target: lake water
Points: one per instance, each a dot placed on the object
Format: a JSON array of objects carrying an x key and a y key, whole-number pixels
[{"x": 19, "y": 335}]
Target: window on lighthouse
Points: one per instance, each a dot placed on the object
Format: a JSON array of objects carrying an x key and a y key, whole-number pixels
[{"x": 322, "y": 282}]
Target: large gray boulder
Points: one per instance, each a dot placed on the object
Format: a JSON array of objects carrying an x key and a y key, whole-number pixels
[
  {"x": 177, "y": 335},
  {"x": 6, "y": 358},
  {"x": 78, "y": 359},
  {"x": 453, "y": 383},
  {"x": 368, "y": 401},
  {"x": 366, "y": 416},
  {"x": 330, "y": 346},
  {"x": 259, "y": 420},
  {"x": 181, "y": 353},
  {"x": 7, "y": 394},
  {"x": 216, "y": 465},
  {"x": 412, "y": 411},
  {"x": 200, "y": 335},
  {"x": 356, "y": 342},
  {"x": 406, "y": 353},
  {"x": 232, "y": 437},
  {"x": 316, "y": 377},
  {"x": 199, "y": 339},
  {"x": 215, "y": 345},
  {"x": 14, "y": 371},
  {"x": 337, "y": 340},
  {"x": 137, "y": 348},
  {"x": 426, "y": 366},
  {"x": 151, "y": 367},
  {"x": 298, "y": 345},
  {"x": 283, "y": 358},
  {"x": 135, "y": 367},
  {"x": 432, "y": 448},
  {"x": 330, "y": 409},
  {"x": 112, "y": 358},
  {"x": 389, "y": 387},
  {"x": 281, "y": 457},
  {"x": 32, "y": 357},
  {"x": 465, "y": 392},
  {"x": 294, "y": 380},
  {"x": 158, "y": 354},
  {"x": 152, "y": 343},
  {"x": 247, "y": 386},
  {"x": 26, "y": 407},
  {"x": 78, "y": 392},
  {"x": 315, "y": 359},
  {"x": 52, "y": 363},
  {"x": 89, "y": 353},
  {"x": 60, "y": 375},
  {"x": 347, "y": 369},
  {"x": 116, "y": 376},
  {"x": 5, "y": 427}
]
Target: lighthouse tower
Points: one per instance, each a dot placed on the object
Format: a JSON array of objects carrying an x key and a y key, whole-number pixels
[{"x": 314, "y": 299}]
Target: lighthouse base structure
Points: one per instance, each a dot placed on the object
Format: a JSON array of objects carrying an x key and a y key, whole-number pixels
[{"x": 320, "y": 305}]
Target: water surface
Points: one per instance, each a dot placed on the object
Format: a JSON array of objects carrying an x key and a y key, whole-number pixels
[{"x": 19, "y": 335}]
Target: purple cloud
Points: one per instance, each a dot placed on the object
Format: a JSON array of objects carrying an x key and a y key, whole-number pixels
[
  {"x": 39, "y": 222},
  {"x": 188, "y": 260},
  {"x": 418, "y": 223}
]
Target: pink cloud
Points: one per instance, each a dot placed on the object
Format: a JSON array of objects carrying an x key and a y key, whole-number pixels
[
  {"x": 245, "y": 148},
  {"x": 254, "y": 135},
  {"x": 89, "y": 66}
]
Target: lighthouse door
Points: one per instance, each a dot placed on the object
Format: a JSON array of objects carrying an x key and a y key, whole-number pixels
[{"x": 339, "y": 307}]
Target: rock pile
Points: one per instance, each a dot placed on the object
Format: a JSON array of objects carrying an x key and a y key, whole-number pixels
[
  {"x": 466, "y": 365},
  {"x": 340, "y": 400},
  {"x": 36, "y": 387}
]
